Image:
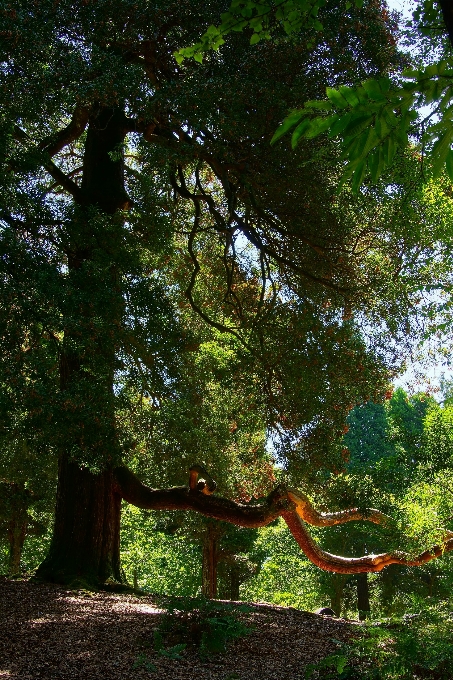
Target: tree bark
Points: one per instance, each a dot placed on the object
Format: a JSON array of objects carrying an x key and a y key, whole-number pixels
[
  {"x": 336, "y": 596},
  {"x": 294, "y": 507},
  {"x": 363, "y": 596},
  {"x": 103, "y": 162},
  {"x": 209, "y": 563},
  {"x": 85, "y": 542},
  {"x": 17, "y": 530},
  {"x": 16, "y": 501},
  {"x": 235, "y": 582},
  {"x": 388, "y": 589},
  {"x": 85, "y": 546},
  {"x": 447, "y": 15}
]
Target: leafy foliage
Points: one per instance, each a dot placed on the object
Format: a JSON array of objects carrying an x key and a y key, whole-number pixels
[
  {"x": 378, "y": 118},
  {"x": 129, "y": 308},
  {"x": 263, "y": 19},
  {"x": 375, "y": 120},
  {"x": 106, "y": 274},
  {"x": 206, "y": 624},
  {"x": 417, "y": 646}
]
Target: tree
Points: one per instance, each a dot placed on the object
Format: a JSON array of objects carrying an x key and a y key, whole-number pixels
[
  {"x": 127, "y": 180},
  {"x": 27, "y": 489}
]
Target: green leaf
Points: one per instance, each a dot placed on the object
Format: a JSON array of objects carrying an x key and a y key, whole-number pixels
[
  {"x": 300, "y": 131},
  {"x": 373, "y": 89},
  {"x": 173, "y": 652},
  {"x": 238, "y": 26},
  {"x": 255, "y": 39},
  {"x": 263, "y": 9},
  {"x": 375, "y": 164},
  {"x": 389, "y": 149},
  {"x": 432, "y": 70},
  {"x": 288, "y": 123},
  {"x": 357, "y": 124},
  {"x": 337, "y": 98},
  {"x": 317, "y": 126},
  {"x": 319, "y": 104},
  {"x": 349, "y": 94},
  {"x": 381, "y": 126},
  {"x": 212, "y": 30},
  {"x": 441, "y": 151},
  {"x": 158, "y": 640},
  {"x": 339, "y": 125},
  {"x": 362, "y": 145},
  {"x": 390, "y": 118}
]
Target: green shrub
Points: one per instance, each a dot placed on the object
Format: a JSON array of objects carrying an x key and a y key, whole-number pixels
[
  {"x": 414, "y": 647},
  {"x": 204, "y": 624}
]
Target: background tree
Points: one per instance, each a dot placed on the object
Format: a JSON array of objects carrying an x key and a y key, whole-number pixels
[{"x": 27, "y": 493}]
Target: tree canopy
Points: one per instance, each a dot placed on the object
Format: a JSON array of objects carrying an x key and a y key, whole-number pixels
[
  {"x": 381, "y": 117},
  {"x": 163, "y": 265}
]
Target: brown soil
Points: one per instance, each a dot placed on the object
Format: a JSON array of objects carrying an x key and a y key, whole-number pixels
[{"x": 48, "y": 632}]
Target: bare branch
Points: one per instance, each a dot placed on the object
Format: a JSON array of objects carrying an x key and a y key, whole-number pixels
[
  {"x": 184, "y": 498},
  {"x": 252, "y": 235},
  {"x": 189, "y": 290},
  {"x": 357, "y": 565},
  {"x": 308, "y": 513},
  {"x": 292, "y": 505}
]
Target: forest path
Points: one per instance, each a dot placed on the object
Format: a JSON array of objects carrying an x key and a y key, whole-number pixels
[{"x": 51, "y": 633}]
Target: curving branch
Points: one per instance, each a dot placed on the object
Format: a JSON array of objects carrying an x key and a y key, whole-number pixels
[
  {"x": 295, "y": 508},
  {"x": 308, "y": 513},
  {"x": 358, "y": 565}
]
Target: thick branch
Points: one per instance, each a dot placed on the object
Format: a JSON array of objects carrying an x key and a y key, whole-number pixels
[
  {"x": 185, "y": 498},
  {"x": 447, "y": 14},
  {"x": 53, "y": 170},
  {"x": 292, "y": 505},
  {"x": 308, "y": 513},
  {"x": 357, "y": 565},
  {"x": 55, "y": 143}
]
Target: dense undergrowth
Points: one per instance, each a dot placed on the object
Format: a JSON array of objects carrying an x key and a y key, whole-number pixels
[{"x": 416, "y": 646}]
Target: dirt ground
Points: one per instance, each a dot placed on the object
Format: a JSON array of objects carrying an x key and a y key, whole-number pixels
[{"x": 49, "y": 633}]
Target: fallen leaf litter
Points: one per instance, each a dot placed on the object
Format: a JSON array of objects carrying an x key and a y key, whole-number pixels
[{"x": 51, "y": 633}]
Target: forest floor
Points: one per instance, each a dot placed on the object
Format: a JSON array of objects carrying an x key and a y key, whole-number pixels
[{"x": 51, "y": 633}]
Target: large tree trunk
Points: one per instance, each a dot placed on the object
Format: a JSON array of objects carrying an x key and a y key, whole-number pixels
[
  {"x": 235, "y": 582},
  {"x": 85, "y": 543},
  {"x": 388, "y": 589},
  {"x": 15, "y": 499}
]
